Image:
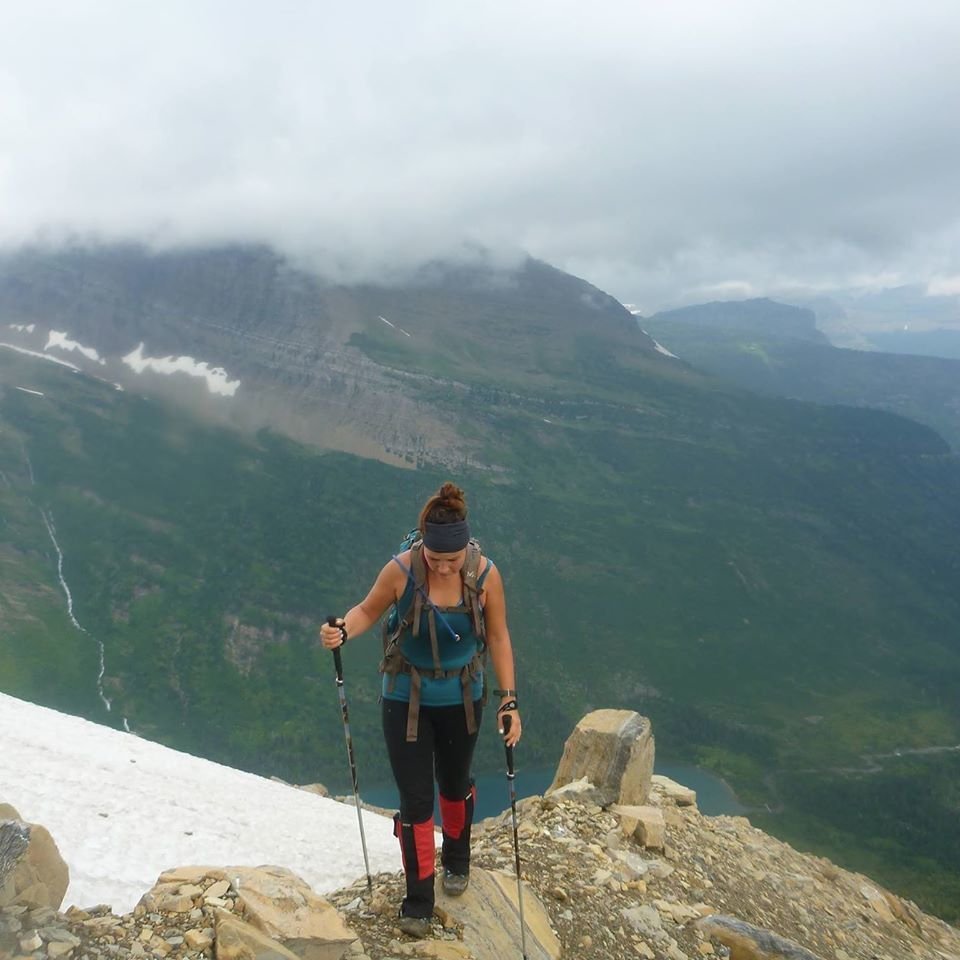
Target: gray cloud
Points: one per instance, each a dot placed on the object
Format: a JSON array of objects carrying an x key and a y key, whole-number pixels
[{"x": 661, "y": 150}]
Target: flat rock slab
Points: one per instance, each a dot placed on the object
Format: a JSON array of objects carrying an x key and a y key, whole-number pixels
[
  {"x": 490, "y": 917},
  {"x": 680, "y": 795},
  {"x": 747, "y": 942}
]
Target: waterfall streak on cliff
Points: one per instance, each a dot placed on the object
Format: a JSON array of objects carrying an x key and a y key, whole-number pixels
[{"x": 48, "y": 522}]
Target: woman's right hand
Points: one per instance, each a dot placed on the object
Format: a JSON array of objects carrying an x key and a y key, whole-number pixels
[{"x": 332, "y": 636}]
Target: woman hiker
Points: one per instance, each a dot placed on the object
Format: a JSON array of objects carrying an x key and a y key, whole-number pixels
[{"x": 449, "y": 604}]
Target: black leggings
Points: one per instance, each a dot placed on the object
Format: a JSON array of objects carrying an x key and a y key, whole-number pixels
[{"x": 443, "y": 747}]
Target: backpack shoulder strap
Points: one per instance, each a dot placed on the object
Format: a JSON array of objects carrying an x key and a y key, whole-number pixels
[
  {"x": 470, "y": 570},
  {"x": 470, "y": 574},
  {"x": 401, "y": 616},
  {"x": 418, "y": 568}
]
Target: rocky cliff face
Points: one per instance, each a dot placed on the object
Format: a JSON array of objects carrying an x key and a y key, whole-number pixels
[{"x": 287, "y": 343}]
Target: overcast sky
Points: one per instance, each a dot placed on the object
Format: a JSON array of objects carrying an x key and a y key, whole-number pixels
[{"x": 667, "y": 151}]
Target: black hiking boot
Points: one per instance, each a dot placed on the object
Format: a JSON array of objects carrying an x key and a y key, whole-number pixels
[
  {"x": 417, "y": 927},
  {"x": 454, "y": 884}
]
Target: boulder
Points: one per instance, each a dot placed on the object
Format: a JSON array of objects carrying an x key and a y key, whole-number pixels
[
  {"x": 674, "y": 792},
  {"x": 582, "y": 790},
  {"x": 614, "y": 750},
  {"x": 40, "y": 877},
  {"x": 237, "y": 940},
  {"x": 645, "y": 824},
  {"x": 14, "y": 838},
  {"x": 747, "y": 942}
]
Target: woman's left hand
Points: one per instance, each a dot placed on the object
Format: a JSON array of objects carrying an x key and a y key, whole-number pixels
[{"x": 513, "y": 729}]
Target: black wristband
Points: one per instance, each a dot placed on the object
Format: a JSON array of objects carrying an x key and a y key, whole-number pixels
[{"x": 504, "y": 693}]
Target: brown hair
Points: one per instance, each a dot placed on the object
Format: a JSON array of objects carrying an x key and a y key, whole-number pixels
[{"x": 447, "y": 505}]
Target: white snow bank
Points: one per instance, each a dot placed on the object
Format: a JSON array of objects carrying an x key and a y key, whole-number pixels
[
  {"x": 123, "y": 809},
  {"x": 61, "y": 340},
  {"x": 216, "y": 377},
  {"x": 21, "y": 327}
]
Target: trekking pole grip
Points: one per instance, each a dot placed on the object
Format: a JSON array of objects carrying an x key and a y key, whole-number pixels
[
  {"x": 506, "y": 729},
  {"x": 337, "y": 659}
]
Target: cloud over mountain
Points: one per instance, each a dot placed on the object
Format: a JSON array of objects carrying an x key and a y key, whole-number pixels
[{"x": 662, "y": 151}]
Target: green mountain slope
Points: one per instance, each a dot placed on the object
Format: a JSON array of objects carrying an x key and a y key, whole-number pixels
[{"x": 773, "y": 582}]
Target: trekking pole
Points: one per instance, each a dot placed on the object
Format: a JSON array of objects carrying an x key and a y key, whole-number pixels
[
  {"x": 338, "y": 664},
  {"x": 516, "y": 837}
]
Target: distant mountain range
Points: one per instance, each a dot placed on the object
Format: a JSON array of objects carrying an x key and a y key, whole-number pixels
[
  {"x": 763, "y": 316},
  {"x": 776, "y": 349},
  {"x": 773, "y": 581},
  {"x": 855, "y": 318}
]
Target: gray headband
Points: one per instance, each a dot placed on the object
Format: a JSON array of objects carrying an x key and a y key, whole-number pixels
[{"x": 446, "y": 537}]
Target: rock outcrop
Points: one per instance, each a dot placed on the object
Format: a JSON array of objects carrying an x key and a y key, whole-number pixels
[
  {"x": 14, "y": 837},
  {"x": 40, "y": 876},
  {"x": 613, "y": 750},
  {"x": 747, "y": 942}
]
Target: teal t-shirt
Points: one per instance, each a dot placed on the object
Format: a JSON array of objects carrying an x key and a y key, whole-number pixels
[{"x": 446, "y": 691}]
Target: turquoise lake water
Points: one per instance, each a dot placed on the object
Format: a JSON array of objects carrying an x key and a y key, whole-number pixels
[{"x": 714, "y": 796}]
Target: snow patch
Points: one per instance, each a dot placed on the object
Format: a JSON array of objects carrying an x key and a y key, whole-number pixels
[
  {"x": 42, "y": 356},
  {"x": 61, "y": 340},
  {"x": 35, "y": 393},
  {"x": 123, "y": 810},
  {"x": 393, "y": 326},
  {"x": 216, "y": 377},
  {"x": 21, "y": 327},
  {"x": 660, "y": 349}
]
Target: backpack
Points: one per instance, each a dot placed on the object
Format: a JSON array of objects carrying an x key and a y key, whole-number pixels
[{"x": 398, "y": 621}]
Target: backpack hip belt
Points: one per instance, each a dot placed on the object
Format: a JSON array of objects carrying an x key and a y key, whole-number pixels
[{"x": 467, "y": 674}]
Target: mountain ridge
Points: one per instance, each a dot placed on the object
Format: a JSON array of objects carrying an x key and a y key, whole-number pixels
[
  {"x": 760, "y": 315},
  {"x": 299, "y": 345}
]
